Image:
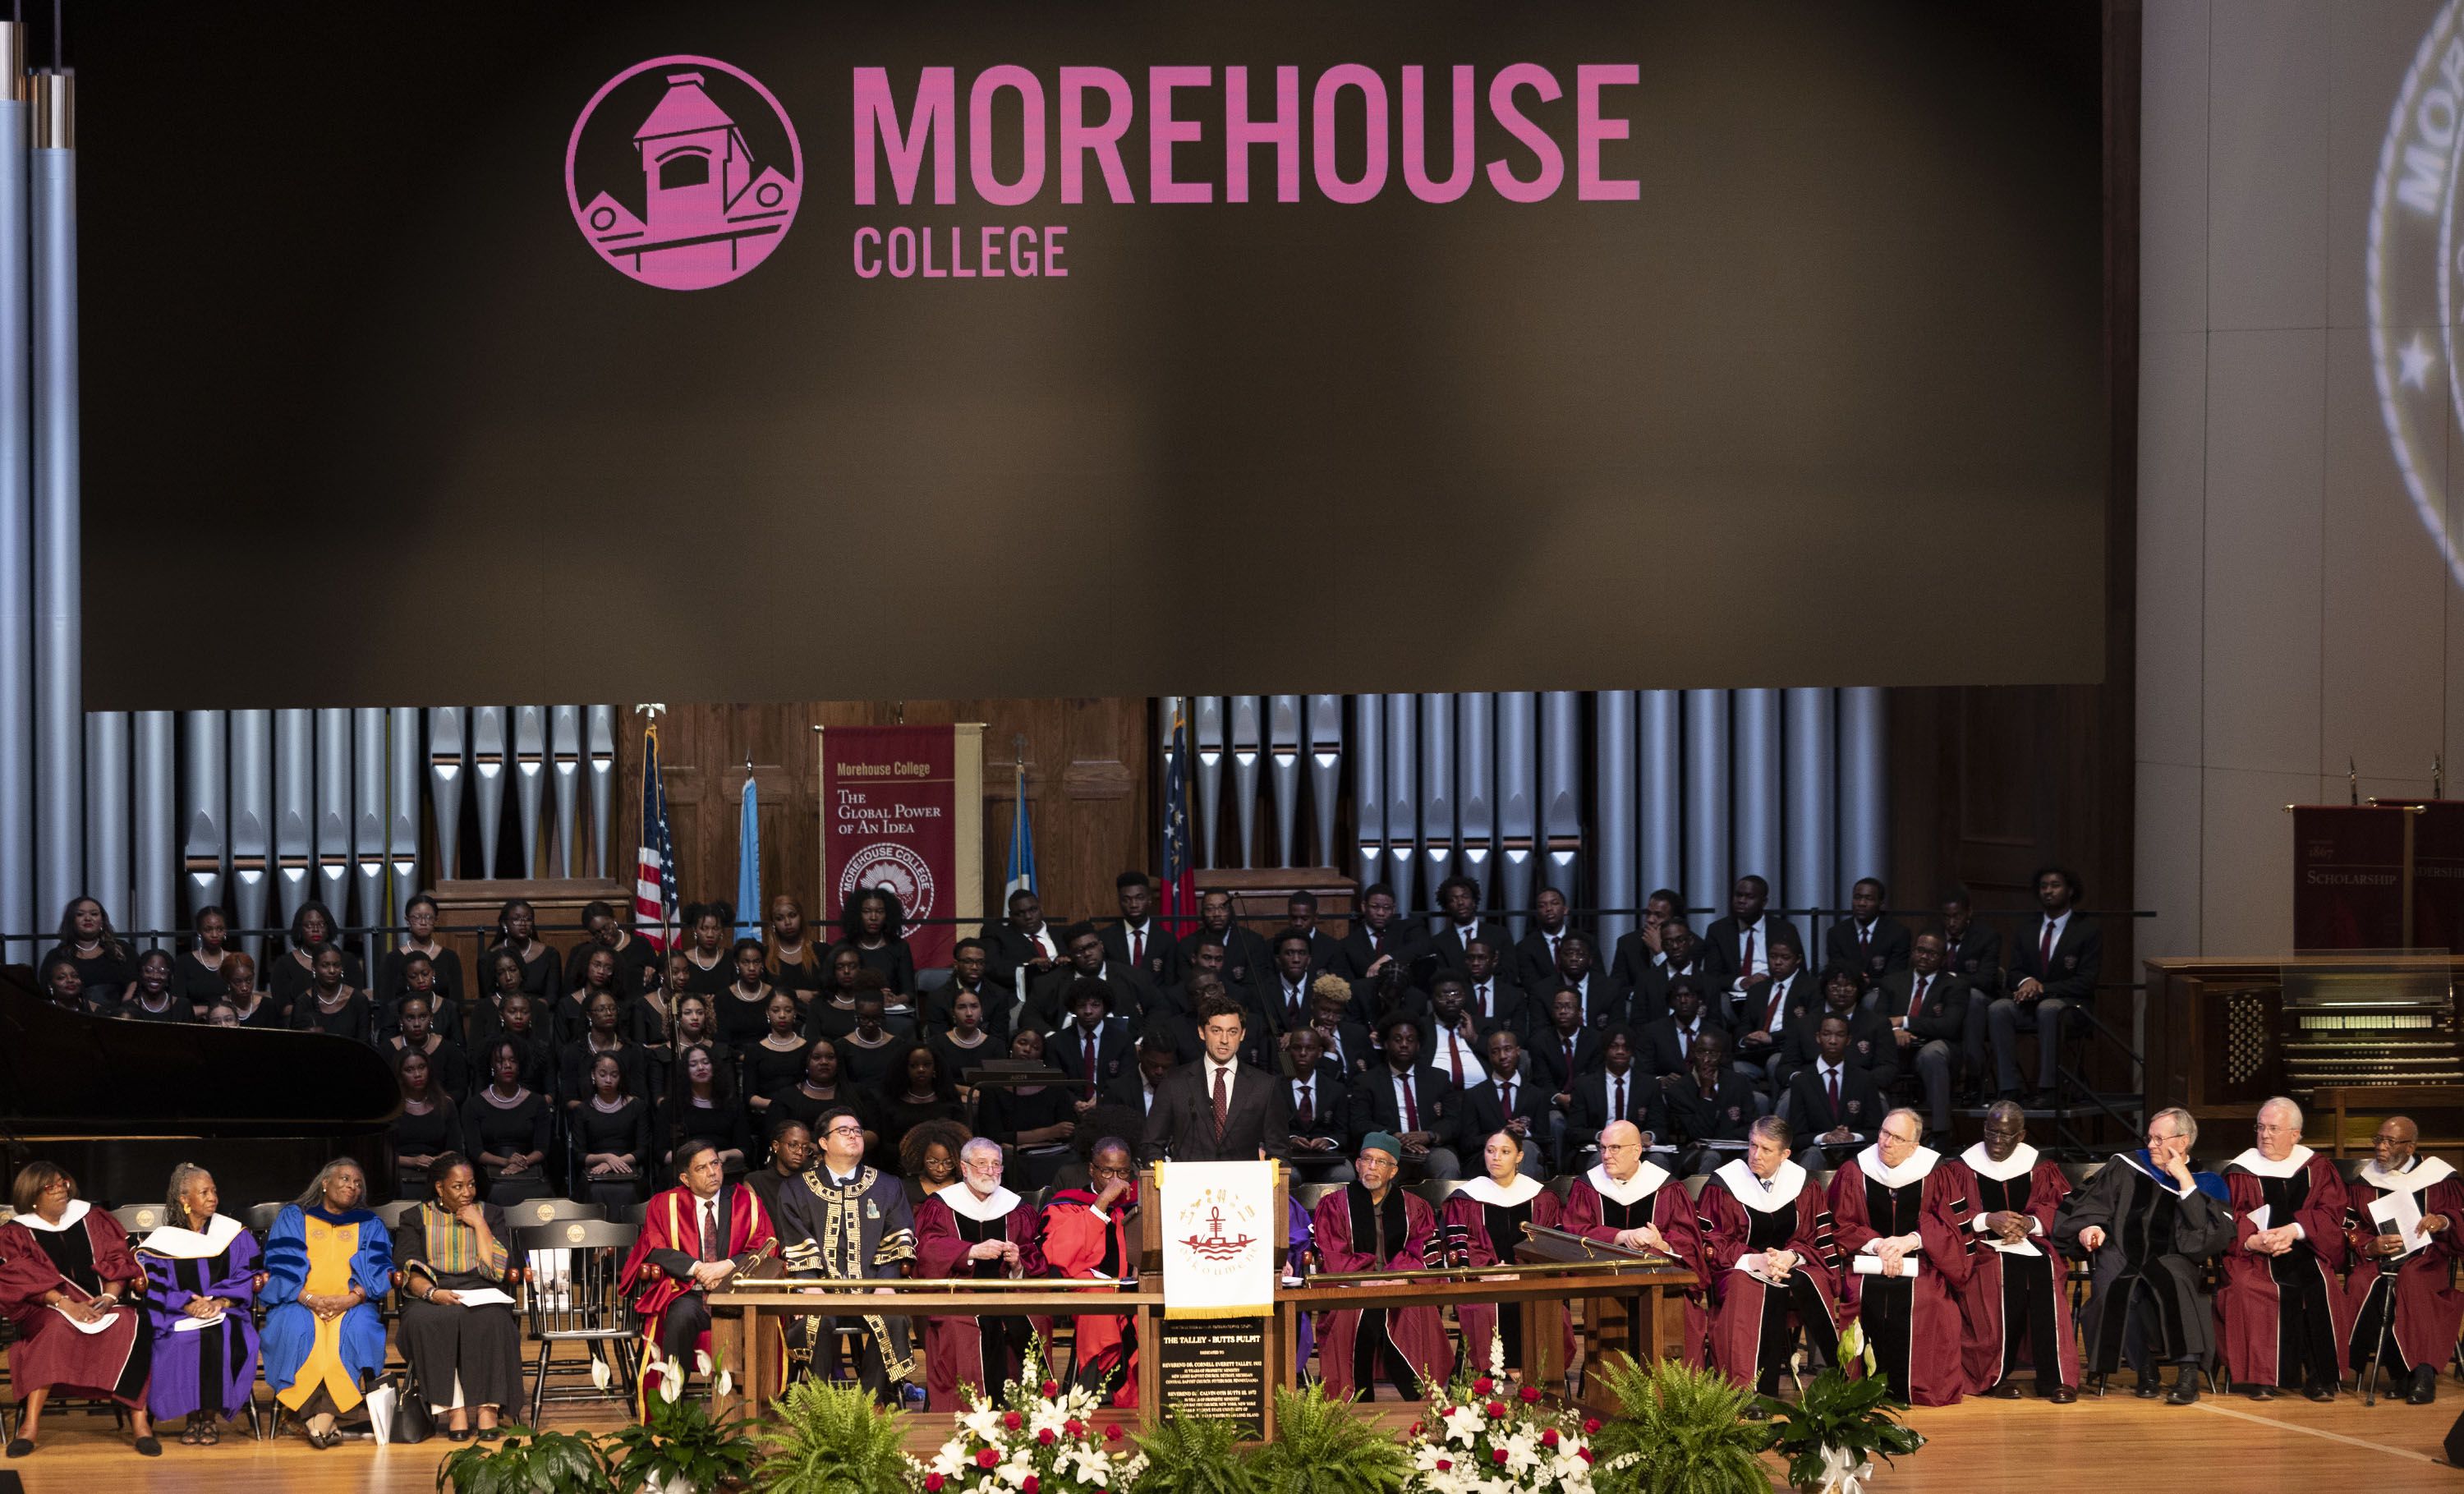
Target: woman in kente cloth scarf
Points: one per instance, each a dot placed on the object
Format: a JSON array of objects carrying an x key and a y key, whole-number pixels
[
  {"x": 328, "y": 1261},
  {"x": 64, "y": 1268},
  {"x": 200, "y": 1279},
  {"x": 1372, "y": 1225}
]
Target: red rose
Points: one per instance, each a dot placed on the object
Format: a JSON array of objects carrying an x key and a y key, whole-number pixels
[
  {"x": 1548, "y": 1436},
  {"x": 1532, "y": 1394},
  {"x": 1497, "y": 1411},
  {"x": 1591, "y": 1426},
  {"x": 1030, "y": 1486},
  {"x": 1482, "y": 1386},
  {"x": 1584, "y": 1453},
  {"x": 1112, "y": 1433},
  {"x": 987, "y": 1458},
  {"x": 933, "y": 1483},
  {"x": 1012, "y": 1420},
  {"x": 1044, "y": 1438},
  {"x": 1416, "y": 1429},
  {"x": 1444, "y": 1463},
  {"x": 1074, "y": 1427},
  {"x": 1051, "y": 1389},
  {"x": 1497, "y": 1455}
]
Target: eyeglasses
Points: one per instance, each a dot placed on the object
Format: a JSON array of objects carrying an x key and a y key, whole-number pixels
[
  {"x": 983, "y": 1165},
  {"x": 844, "y": 1131}
]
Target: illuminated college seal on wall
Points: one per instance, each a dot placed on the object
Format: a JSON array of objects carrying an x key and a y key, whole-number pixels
[
  {"x": 2415, "y": 270},
  {"x": 895, "y": 869}
]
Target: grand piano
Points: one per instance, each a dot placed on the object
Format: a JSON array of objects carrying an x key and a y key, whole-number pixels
[{"x": 118, "y": 1103}]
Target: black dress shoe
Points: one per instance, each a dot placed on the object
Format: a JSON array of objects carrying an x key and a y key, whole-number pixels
[
  {"x": 2186, "y": 1387},
  {"x": 2149, "y": 1386},
  {"x": 2008, "y": 1389},
  {"x": 2061, "y": 1395},
  {"x": 2319, "y": 1390},
  {"x": 21, "y": 1446},
  {"x": 2425, "y": 1385},
  {"x": 2261, "y": 1392},
  {"x": 147, "y": 1448}
]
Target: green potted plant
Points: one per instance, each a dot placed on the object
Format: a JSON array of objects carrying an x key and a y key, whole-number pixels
[
  {"x": 526, "y": 1461},
  {"x": 1321, "y": 1446},
  {"x": 1682, "y": 1431},
  {"x": 835, "y": 1440},
  {"x": 1831, "y": 1437},
  {"x": 1196, "y": 1455},
  {"x": 682, "y": 1449}
]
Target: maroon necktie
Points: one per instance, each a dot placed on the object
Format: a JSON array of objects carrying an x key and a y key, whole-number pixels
[
  {"x": 1223, "y": 1105},
  {"x": 1306, "y": 1115},
  {"x": 2045, "y": 952},
  {"x": 1480, "y": 1001},
  {"x": 1138, "y": 945},
  {"x": 1746, "y": 965},
  {"x": 709, "y": 1212},
  {"x": 1865, "y": 941},
  {"x": 1833, "y": 1080},
  {"x": 1771, "y": 1013},
  {"x": 1411, "y": 1107},
  {"x": 1507, "y": 1090},
  {"x": 1453, "y": 1056},
  {"x": 1916, "y": 999},
  {"x": 1091, "y": 1055}
]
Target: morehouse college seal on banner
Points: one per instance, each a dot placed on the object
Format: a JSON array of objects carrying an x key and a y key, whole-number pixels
[
  {"x": 2415, "y": 269},
  {"x": 1219, "y": 1248},
  {"x": 893, "y": 868},
  {"x": 683, "y": 173}
]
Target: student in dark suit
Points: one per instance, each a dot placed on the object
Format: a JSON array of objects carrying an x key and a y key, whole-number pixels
[
  {"x": 1972, "y": 951},
  {"x": 1137, "y": 942},
  {"x": 1411, "y": 1100},
  {"x": 1711, "y": 1103},
  {"x": 1737, "y": 948},
  {"x": 1050, "y": 998},
  {"x": 970, "y": 960},
  {"x": 2053, "y": 967},
  {"x": 1092, "y": 1031},
  {"x": 1535, "y": 957},
  {"x": 1927, "y": 1009},
  {"x": 1348, "y": 1046},
  {"x": 1871, "y": 1046},
  {"x": 1832, "y": 1103},
  {"x": 1865, "y": 941},
  {"x": 1509, "y": 1101},
  {"x": 1680, "y": 957},
  {"x": 1622, "y": 1090},
  {"x": 1577, "y": 972},
  {"x": 1136, "y": 1087},
  {"x": 1668, "y": 1044},
  {"x": 1246, "y": 956},
  {"x": 1218, "y": 1109},
  {"x": 1300, "y": 911},
  {"x": 1023, "y": 939},
  {"x": 1567, "y": 1047},
  {"x": 1322, "y": 1110},
  {"x": 1448, "y": 1035},
  {"x": 1495, "y": 1001},
  {"x": 1377, "y": 937},
  {"x": 1765, "y": 1021},
  {"x": 1285, "y": 993},
  {"x": 1458, "y": 905},
  {"x": 1640, "y": 952}
]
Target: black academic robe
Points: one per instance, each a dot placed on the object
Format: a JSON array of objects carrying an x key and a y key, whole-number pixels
[{"x": 2156, "y": 1241}]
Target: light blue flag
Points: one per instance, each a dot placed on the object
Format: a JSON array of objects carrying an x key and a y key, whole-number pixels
[
  {"x": 1021, "y": 843},
  {"x": 748, "y": 870}
]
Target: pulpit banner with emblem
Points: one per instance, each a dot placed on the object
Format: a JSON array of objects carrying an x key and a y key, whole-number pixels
[
  {"x": 2352, "y": 876},
  {"x": 903, "y": 810},
  {"x": 1220, "y": 1231}
]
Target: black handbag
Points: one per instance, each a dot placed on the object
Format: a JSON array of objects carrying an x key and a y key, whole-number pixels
[{"x": 413, "y": 1422}]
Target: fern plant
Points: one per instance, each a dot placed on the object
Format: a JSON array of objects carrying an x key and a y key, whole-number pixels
[
  {"x": 834, "y": 1439},
  {"x": 527, "y": 1462},
  {"x": 1682, "y": 1431},
  {"x": 1321, "y": 1446},
  {"x": 1192, "y": 1455}
]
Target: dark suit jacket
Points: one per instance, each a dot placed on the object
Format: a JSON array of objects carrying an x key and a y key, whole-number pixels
[
  {"x": 1047, "y": 999},
  {"x": 1436, "y": 1057},
  {"x": 1977, "y": 956},
  {"x": 1448, "y": 947},
  {"x": 1011, "y": 949},
  {"x": 1374, "y": 1105},
  {"x": 1723, "y": 1115},
  {"x": 1115, "y": 1052},
  {"x": 1604, "y": 1003},
  {"x": 1532, "y": 964},
  {"x": 1944, "y": 1014},
  {"x": 1862, "y": 1105},
  {"x": 1332, "y": 1107},
  {"x": 2077, "y": 957},
  {"x": 1509, "y": 1006},
  {"x": 1595, "y": 1109},
  {"x": 1723, "y": 945},
  {"x": 1484, "y": 1115},
  {"x": 1359, "y": 1051},
  {"x": 1746, "y": 1016},
  {"x": 1322, "y": 950},
  {"x": 1128, "y": 1090},
  {"x": 1247, "y": 959},
  {"x": 1181, "y": 1126},
  {"x": 1549, "y": 1059},
  {"x": 1890, "y": 948},
  {"x": 1649, "y": 1001},
  {"x": 1163, "y": 951},
  {"x": 1662, "y": 1053},
  {"x": 1871, "y": 1046},
  {"x": 1406, "y": 940}
]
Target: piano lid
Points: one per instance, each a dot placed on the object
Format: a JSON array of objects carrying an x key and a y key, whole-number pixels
[{"x": 74, "y": 1074}]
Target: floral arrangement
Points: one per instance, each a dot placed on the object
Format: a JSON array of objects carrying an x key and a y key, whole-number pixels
[
  {"x": 1034, "y": 1439},
  {"x": 1483, "y": 1436},
  {"x": 681, "y": 1447}
]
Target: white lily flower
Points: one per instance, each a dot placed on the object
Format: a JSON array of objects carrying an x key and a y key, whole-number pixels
[
  {"x": 671, "y": 1385},
  {"x": 726, "y": 1385},
  {"x": 701, "y": 1362},
  {"x": 599, "y": 1376}
]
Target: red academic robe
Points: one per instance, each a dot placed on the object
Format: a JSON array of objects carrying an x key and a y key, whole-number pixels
[
  {"x": 1673, "y": 1214},
  {"x": 1467, "y": 1213},
  {"x": 668, "y": 1228},
  {"x": 1934, "y": 1371},
  {"x": 2429, "y": 1311},
  {"x": 954, "y": 1347},
  {"x": 1983, "y": 1344},
  {"x": 1075, "y": 1241},
  {"x": 1737, "y": 1316},
  {"x": 2248, "y": 1300},
  {"x": 49, "y": 1350},
  {"x": 1417, "y": 1333}
]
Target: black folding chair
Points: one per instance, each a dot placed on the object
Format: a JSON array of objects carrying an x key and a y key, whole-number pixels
[{"x": 581, "y": 1306}]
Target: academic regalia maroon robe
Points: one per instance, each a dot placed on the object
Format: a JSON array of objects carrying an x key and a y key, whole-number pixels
[
  {"x": 982, "y": 1352},
  {"x": 657, "y": 1272},
  {"x": 1084, "y": 1242},
  {"x": 1488, "y": 1220},
  {"x": 1916, "y": 1338},
  {"x": 2429, "y": 1311},
  {"x": 1745, "y": 1217},
  {"x": 50, "y": 1352},
  {"x": 2283, "y": 1318},
  {"x": 1352, "y": 1235},
  {"x": 2009, "y": 1291},
  {"x": 1598, "y": 1206}
]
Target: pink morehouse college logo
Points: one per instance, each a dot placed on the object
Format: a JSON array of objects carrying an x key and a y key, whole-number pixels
[{"x": 684, "y": 172}]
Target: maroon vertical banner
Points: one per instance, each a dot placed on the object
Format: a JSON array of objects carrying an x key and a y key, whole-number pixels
[
  {"x": 2349, "y": 876},
  {"x": 891, "y": 820},
  {"x": 2437, "y": 873}
]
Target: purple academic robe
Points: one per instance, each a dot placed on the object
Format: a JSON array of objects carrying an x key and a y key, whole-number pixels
[
  {"x": 1347, "y": 1242},
  {"x": 211, "y": 1369},
  {"x": 1297, "y": 1248}
]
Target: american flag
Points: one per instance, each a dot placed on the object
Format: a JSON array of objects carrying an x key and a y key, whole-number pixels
[
  {"x": 1179, "y": 911},
  {"x": 654, "y": 878}
]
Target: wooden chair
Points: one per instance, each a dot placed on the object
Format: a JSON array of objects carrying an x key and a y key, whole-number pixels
[
  {"x": 2376, "y": 1102},
  {"x": 583, "y": 1306}
]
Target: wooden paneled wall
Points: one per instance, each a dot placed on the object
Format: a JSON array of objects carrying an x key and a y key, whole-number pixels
[{"x": 1088, "y": 772}]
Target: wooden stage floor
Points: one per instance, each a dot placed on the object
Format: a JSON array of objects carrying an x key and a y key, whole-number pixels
[{"x": 2223, "y": 1445}]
